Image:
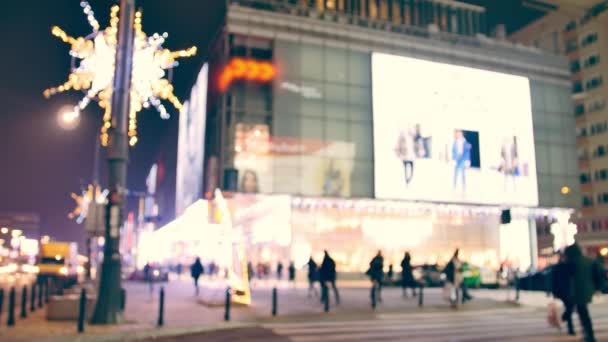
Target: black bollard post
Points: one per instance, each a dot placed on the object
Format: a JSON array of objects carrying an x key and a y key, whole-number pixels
[
  {"x": 82, "y": 310},
  {"x": 11, "y": 308},
  {"x": 123, "y": 299},
  {"x": 421, "y": 295},
  {"x": 1, "y": 301},
  {"x": 24, "y": 302},
  {"x": 516, "y": 289},
  {"x": 40, "y": 287},
  {"x": 274, "y": 301},
  {"x": 33, "y": 298},
  {"x": 161, "y": 307},
  {"x": 227, "y": 306}
]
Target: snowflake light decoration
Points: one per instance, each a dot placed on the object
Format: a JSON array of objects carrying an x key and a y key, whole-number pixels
[
  {"x": 94, "y": 72},
  {"x": 92, "y": 193}
]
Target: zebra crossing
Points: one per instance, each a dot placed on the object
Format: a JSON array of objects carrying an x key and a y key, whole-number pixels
[{"x": 508, "y": 324}]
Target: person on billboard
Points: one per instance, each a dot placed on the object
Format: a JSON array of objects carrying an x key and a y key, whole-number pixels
[
  {"x": 406, "y": 152},
  {"x": 461, "y": 155},
  {"x": 196, "y": 269},
  {"x": 327, "y": 274},
  {"x": 407, "y": 275},
  {"x": 376, "y": 275},
  {"x": 249, "y": 182},
  {"x": 332, "y": 180}
]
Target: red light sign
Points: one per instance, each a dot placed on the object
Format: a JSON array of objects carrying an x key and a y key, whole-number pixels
[{"x": 246, "y": 69}]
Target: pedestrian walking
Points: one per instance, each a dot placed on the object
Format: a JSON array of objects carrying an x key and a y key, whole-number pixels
[
  {"x": 376, "y": 273},
  {"x": 328, "y": 275},
  {"x": 313, "y": 276},
  {"x": 561, "y": 287},
  {"x": 279, "y": 270},
  {"x": 196, "y": 269},
  {"x": 389, "y": 274},
  {"x": 148, "y": 277},
  {"x": 453, "y": 277},
  {"x": 292, "y": 272},
  {"x": 407, "y": 275},
  {"x": 582, "y": 281}
]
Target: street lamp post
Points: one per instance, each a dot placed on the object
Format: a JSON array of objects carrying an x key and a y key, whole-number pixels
[{"x": 107, "y": 308}]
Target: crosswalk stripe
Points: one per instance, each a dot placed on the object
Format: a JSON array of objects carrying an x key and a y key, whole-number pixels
[{"x": 519, "y": 324}]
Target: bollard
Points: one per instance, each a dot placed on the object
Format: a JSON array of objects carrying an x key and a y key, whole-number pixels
[
  {"x": 33, "y": 298},
  {"x": 227, "y": 306},
  {"x": 325, "y": 296},
  {"x": 40, "y": 295},
  {"x": 161, "y": 307},
  {"x": 516, "y": 289},
  {"x": 11, "y": 308},
  {"x": 274, "y": 301},
  {"x": 24, "y": 302},
  {"x": 421, "y": 295},
  {"x": 82, "y": 310},
  {"x": 123, "y": 299},
  {"x": 1, "y": 301}
]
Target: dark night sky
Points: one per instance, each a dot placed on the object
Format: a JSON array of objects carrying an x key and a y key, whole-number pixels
[{"x": 41, "y": 163}]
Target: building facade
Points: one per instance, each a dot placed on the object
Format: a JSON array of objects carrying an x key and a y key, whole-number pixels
[
  {"x": 578, "y": 37},
  {"x": 393, "y": 125}
]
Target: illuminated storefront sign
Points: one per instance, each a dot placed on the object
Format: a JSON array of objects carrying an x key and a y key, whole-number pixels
[{"x": 246, "y": 69}]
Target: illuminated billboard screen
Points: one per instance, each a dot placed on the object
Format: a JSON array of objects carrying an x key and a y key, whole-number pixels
[
  {"x": 450, "y": 133},
  {"x": 191, "y": 145}
]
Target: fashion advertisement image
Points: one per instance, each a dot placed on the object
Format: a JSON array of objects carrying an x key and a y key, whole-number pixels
[{"x": 451, "y": 133}]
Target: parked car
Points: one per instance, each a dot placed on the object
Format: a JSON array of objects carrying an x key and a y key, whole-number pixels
[
  {"x": 429, "y": 275},
  {"x": 471, "y": 275},
  {"x": 159, "y": 274}
]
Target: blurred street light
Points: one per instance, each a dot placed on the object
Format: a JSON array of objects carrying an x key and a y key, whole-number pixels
[
  {"x": 68, "y": 119},
  {"x": 4, "y": 230}
]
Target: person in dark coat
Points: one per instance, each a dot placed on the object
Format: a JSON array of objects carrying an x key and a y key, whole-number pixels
[
  {"x": 313, "y": 276},
  {"x": 291, "y": 270},
  {"x": 407, "y": 275},
  {"x": 376, "y": 274},
  {"x": 280, "y": 270},
  {"x": 196, "y": 269},
  {"x": 561, "y": 287},
  {"x": 327, "y": 274},
  {"x": 148, "y": 277},
  {"x": 390, "y": 273},
  {"x": 583, "y": 287}
]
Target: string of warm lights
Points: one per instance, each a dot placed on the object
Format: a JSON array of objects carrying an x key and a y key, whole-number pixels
[{"x": 95, "y": 70}]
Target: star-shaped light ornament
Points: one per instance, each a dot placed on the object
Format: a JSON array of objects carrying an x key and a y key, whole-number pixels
[
  {"x": 93, "y": 71},
  {"x": 92, "y": 193}
]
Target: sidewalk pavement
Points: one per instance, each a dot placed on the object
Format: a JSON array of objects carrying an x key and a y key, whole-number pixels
[{"x": 184, "y": 313}]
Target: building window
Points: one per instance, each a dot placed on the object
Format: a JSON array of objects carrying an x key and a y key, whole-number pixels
[
  {"x": 598, "y": 128},
  {"x": 579, "y": 110},
  {"x": 585, "y": 178},
  {"x": 577, "y": 87},
  {"x": 592, "y": 61},
  {"x": 589, "y": 39},
  {"x": 594, "y": 82},
  {"x": 570, "y": 26},
  {"x": 595, "y": 105},
  {"x": 571, "y": 45},
  {"x": 575, "y": 66},
  {"x": 587, "y": 201},
  {"x": 599, "y": 152},
  {"x": 581, "y": 132}
]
